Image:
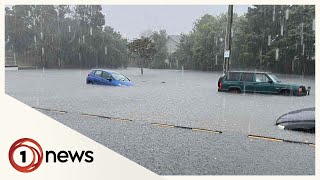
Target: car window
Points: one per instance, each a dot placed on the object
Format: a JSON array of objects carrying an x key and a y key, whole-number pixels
[
  {"x": 233, "y": 76},
  {"x": 248, "y": 77},
  {"x": 98, "y": 73},
  {"x": 274, "y": 78},
  {"x": 106, "y": 75},
  {"x": 119, "y": 77},
  {"x": 261, "y": 78}
]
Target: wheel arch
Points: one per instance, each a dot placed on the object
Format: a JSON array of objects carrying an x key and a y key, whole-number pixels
[{"x": 234, "y": 87}]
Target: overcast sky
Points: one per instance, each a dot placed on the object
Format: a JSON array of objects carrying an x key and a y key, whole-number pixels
[{"x": 132, "y": 20}]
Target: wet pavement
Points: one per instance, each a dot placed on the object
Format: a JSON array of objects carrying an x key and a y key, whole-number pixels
[{"x": 178, "y": 98}]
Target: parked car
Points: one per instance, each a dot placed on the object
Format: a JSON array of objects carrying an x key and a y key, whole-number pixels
[
  {"x": 258, "y": 82},
  {"x": 299, "y": 120},
  {"x": 107, "y": 77}
]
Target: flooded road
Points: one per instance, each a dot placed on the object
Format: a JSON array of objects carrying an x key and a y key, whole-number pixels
[{"x": 175, "y": 98}]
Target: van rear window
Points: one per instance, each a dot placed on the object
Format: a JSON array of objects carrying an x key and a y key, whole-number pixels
[{"x": 233, "y": 76}]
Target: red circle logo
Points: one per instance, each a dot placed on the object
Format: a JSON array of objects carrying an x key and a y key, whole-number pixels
[{"x": 36, "y": 150}]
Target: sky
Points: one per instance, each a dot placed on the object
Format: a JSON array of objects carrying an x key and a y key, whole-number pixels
[{"x": 132, "y": 20}]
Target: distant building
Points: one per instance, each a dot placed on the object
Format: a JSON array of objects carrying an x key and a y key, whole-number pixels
[{"x": 172, "y": 43}]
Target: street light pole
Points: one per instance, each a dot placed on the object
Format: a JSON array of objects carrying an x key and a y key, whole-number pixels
[{"x": 227, "y": 47}]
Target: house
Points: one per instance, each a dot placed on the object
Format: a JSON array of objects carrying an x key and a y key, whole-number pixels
[{"x": 172, "y": 45}]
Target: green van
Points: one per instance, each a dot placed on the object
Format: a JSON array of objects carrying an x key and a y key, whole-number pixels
[{"x": 258, "y": 82}]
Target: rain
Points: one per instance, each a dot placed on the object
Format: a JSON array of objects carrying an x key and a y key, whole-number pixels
[{"x": 176, "y": 119}]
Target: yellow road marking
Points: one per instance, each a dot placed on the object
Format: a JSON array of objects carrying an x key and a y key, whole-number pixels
[
  {"x": 204, "y": 130},
  {"x": 166, "y": 126},
  {"x": 90, "y": 115},
  {"x": 163, "y": 125},
  {"x": 62, "y": 112},
  {"x": 266, "y": 138}
]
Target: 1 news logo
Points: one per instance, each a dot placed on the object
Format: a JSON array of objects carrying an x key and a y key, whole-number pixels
[
  {"x": 21, "y": 150},
  {"x": 34, "y": 147}
]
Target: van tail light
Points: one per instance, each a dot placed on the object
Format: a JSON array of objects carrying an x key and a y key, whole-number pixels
[{"x": 220, "y": 85}]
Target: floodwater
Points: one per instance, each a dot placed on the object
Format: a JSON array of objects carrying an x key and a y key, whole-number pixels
[{"x": 180, "y": 98}]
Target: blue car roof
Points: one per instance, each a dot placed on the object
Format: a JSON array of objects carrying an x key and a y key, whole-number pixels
[
  {"x": 105, "y": 70},
  {"x": 250, "y": 72}
]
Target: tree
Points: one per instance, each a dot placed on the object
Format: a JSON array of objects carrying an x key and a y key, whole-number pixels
[
  {"x": 63, "y": 36},
  {"x": 159, "y": 40},
  {"x": 200, "y": 48},
  {"x": 184, "y": 53},
  {"x": 144, "y": 48},
  {"x": 257, "y": 36},
  {"x": 270, "y": 29}
]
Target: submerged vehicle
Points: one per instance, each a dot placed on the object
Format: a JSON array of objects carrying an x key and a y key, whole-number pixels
[
  {"x": 299, "y": 120},
  {"x": 258, "y": 82},
  {"x": 107, "y": 77}
]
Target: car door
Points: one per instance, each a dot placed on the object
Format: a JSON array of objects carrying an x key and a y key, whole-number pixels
[
  {"x": 231, "y": 80},
  {"x": 247, "y": 82},
  {"x": 107, "y": 78},
  {"x": 263, "y": 83},
  {"x": 97, "y": 79}
]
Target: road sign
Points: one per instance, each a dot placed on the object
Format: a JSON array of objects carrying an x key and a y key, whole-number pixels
[{"x": 226, "y": 53}]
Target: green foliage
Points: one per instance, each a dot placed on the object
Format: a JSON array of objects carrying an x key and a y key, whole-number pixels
[
  {"x": 150, "y": 51},
  {"x": 76, "y": 36},
  {"x": 264, "y": 21},
  {"x": 202, "y": 49},
  {"x": 71, "y": 36},
  {"x": 144, "y": 49},
  {"x": 161, "y": 51}
]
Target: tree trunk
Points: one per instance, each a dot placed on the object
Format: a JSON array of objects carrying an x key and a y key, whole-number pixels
[{"x": 141, "y": 66}]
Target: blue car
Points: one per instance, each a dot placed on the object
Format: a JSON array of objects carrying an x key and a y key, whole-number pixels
[{"x": 106, "y": 77}]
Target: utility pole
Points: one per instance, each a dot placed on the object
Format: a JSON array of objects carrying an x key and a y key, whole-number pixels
[
  {"x": 59, "y": 38},
  {"x": 227, "y": 47}
]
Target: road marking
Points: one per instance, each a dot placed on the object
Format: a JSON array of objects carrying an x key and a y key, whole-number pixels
[
  {"x": 185, "y": 127},
  {"x": 265, "y": 138},
  {"x": 279, "y": 140},
  {"x": 206, "y": 130},
  {"x": 105, "y": 117},
  {"x": 51, "y": 110},
  {"x": 163, "y": 125},
  {"x": 182, "y": 127},
  {"x": 89, "y": 115},
  {"x": 121, "y": 119},
  {"x": 94, "y": 115}
]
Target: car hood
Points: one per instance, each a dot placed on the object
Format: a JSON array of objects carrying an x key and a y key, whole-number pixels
[
  {"x": 288, "y": 85},
  {"x": 299, "y": 120},
  {"x": 307, "y": 114}
]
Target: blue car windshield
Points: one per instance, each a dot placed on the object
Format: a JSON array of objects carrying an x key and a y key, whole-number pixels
[
  {"x": 119, "y": 77},
  {"x": 274, "y": 78}
]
